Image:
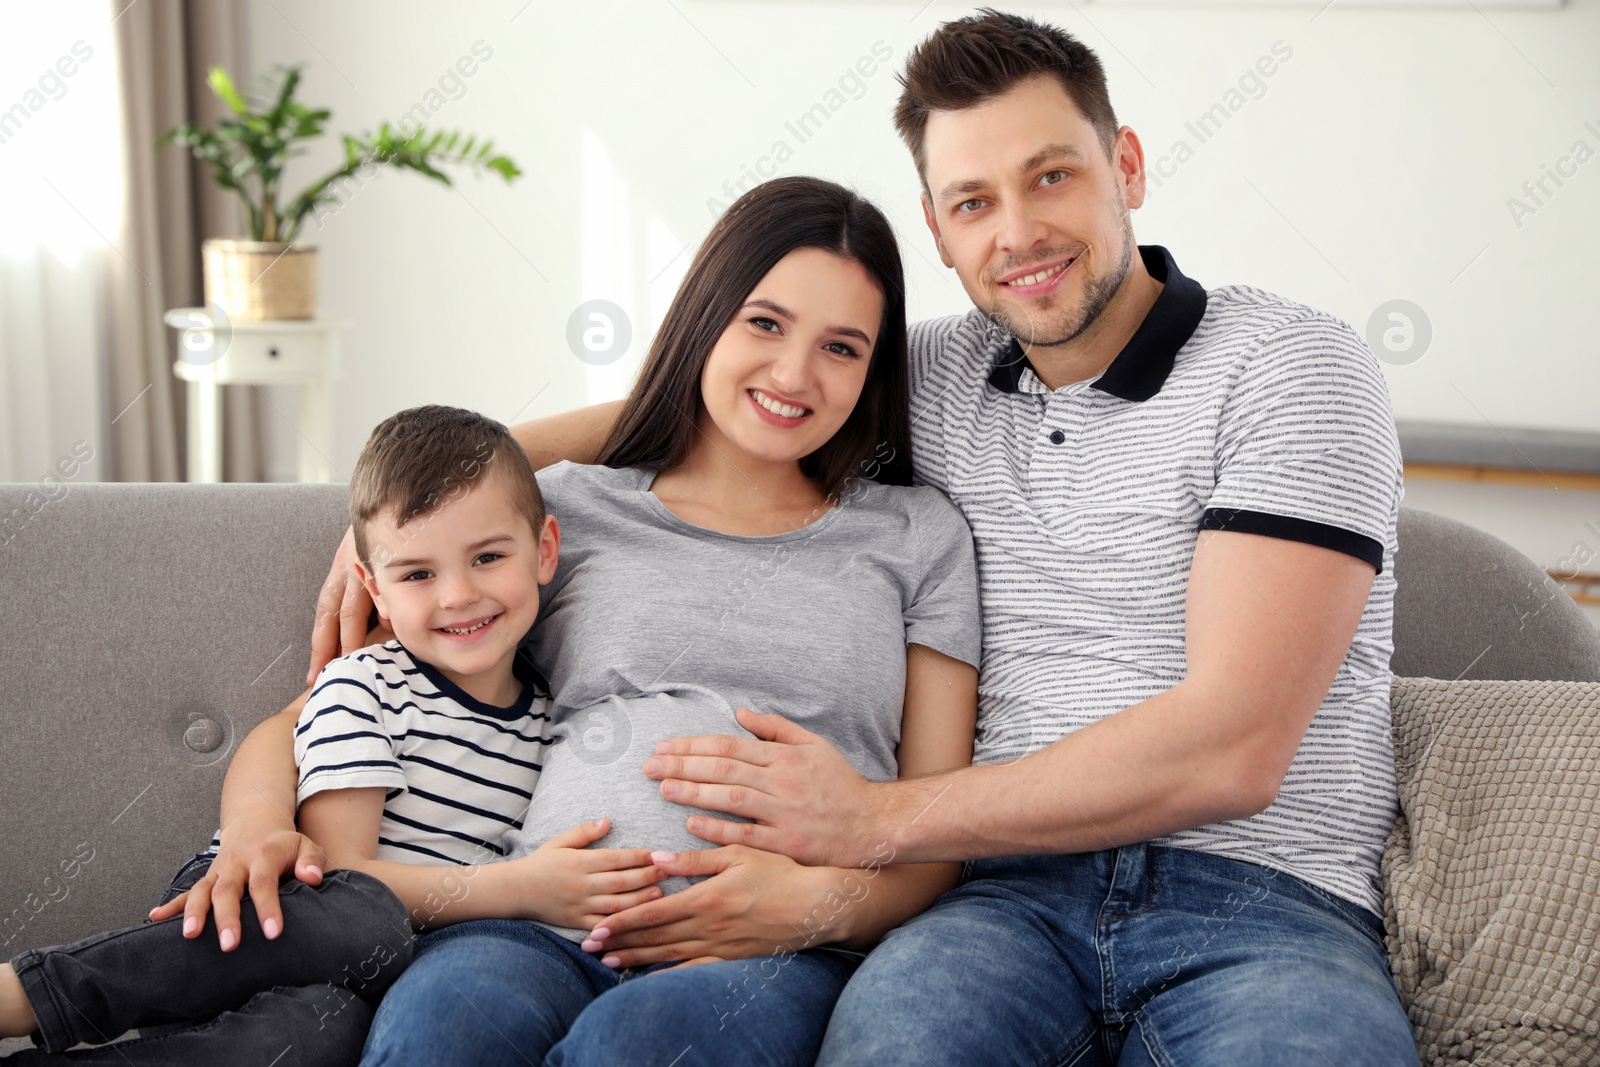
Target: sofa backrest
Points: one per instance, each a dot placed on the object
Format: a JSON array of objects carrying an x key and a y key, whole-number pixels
[
  {"x": 145, "y": 629},
  {"x": 1469, "y": 606}
]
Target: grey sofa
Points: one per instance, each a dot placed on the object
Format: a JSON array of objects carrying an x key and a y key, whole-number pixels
[{"x": 147, "y": 628}]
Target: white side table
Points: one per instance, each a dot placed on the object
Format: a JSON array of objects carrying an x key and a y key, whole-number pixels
[{"x": 213, "y": 353}]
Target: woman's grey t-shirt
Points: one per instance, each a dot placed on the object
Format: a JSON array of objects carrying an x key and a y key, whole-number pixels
[{"x": 655, "y": 628}]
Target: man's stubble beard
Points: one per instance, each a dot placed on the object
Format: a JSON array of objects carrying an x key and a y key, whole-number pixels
[{"x": 1097, "y": 294}]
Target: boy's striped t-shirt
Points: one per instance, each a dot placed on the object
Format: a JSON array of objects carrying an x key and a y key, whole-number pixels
[{"x": 459, "y": 772}]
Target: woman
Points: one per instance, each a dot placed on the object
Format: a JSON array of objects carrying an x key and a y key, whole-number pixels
[{"x": 749, "y": 539}]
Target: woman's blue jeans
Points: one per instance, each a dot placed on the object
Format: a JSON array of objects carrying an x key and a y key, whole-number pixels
[
  {"x": 504, "y": 991},
  {"x": 1131, "y": 956}
]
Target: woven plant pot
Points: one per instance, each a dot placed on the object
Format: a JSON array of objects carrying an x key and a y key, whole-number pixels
[{"x": 260, "y": 281}]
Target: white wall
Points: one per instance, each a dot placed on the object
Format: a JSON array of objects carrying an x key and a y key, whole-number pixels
[{"x": 1375, "y": 163}]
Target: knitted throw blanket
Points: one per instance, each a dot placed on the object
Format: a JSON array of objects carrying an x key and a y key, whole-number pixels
[{"x": 1492, "y": 871}]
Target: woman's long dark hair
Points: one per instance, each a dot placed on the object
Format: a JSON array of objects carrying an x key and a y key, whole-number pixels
[{"x": 657, "y": 425}]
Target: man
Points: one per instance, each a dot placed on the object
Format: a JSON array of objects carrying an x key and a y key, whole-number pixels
[{"x": 1184, "y": 504}]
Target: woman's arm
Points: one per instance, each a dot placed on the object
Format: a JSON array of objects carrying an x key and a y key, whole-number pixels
[
  {"x": 757, "y": 903},
  {"x": 561, "y": 882},
  {"x": 260, "y": 844},
  {"x": 574, "y": 435},
  {"x": 936, "y": 734}
]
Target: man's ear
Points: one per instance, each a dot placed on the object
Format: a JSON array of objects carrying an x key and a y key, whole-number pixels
[
  {"x": 1129, "y": 161},
  {"x": 372, "y": 590},
  {"x": 549, "y": 549},
  {"x": 933, "y": 228}
]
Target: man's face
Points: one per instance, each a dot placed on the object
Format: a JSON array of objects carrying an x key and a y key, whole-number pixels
[{"x": 1030, "y": 212}]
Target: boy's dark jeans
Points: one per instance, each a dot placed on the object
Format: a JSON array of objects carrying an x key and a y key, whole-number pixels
[{"x": 304, "y": 998}]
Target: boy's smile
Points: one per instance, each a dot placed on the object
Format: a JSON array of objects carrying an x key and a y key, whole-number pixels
[{"x": 459, "y": 585}]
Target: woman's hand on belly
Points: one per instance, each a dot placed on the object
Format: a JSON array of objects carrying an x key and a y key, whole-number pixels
[{"x": 751, "y": 903}]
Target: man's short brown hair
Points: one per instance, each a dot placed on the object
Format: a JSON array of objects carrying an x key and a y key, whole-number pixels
[
  {"x": 982, "y": 56},
  {"x": 422, "y": 458}
]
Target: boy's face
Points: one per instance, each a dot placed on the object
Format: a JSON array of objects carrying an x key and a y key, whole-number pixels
[
  {"x": 459, "y": 585},
  {"x": 1030, "y": 212}
]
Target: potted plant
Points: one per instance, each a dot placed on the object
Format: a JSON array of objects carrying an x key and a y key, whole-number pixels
[{"x": 266, "y": 276}]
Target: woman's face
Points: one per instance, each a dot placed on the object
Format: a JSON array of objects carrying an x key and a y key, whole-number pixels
[{"x": 788, "y": 369}]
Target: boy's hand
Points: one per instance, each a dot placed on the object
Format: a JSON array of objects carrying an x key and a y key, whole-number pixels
[
  {"x": 343, "y": 608},
  {"x": 259, "y": 867},
  {"x": 564, "y": 883}
]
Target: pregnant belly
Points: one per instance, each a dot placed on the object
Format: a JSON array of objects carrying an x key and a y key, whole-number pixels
[{"x": 595, "y": 769}]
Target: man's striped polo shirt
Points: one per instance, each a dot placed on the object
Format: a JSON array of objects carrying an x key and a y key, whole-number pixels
[{"x": 1230, "y": 409}]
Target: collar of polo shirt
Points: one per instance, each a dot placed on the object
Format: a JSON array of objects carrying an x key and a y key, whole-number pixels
[{"x": 1141, "y": 368}]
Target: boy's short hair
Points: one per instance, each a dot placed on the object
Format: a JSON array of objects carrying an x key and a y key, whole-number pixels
[
  {"x": 977, "y": 58},
  {"x": 422, "y": 458}
]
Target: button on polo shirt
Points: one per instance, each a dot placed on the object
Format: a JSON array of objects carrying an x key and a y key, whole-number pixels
[{"x": 1228, "y": 409}]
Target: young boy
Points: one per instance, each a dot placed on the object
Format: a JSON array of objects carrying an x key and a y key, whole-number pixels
[{"x": 415, "y": 756}]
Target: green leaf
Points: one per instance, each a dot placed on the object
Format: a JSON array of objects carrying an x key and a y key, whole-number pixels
[
  {"x": 222, "y": 85},
  {"x": 504, "y": 167}
]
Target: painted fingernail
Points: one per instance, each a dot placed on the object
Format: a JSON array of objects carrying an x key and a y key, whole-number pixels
[
  {"x": 271, "y": 928},
  {"x": 599, "y": 933},
  {"x": 592, "y": 945},
  {"x": 652, "y": 765},
  {"x": 190, "y": 925},
  {"x": 228, "y": 939},
  {"x": 663, "y": 857},
  {"x": 611, "y": 961},
  {"x": 669, "y": 788}
]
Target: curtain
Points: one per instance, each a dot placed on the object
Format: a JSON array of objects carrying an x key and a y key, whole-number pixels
[{"x": 164, "y": 50}]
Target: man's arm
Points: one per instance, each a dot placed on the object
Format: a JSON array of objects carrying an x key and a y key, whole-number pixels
[{"x": 1268, "y": 624}]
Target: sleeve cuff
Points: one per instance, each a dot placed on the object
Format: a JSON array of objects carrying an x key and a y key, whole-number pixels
[
  {"x": 1305, "y": 531},
  {"x": 322, "y": 780}
]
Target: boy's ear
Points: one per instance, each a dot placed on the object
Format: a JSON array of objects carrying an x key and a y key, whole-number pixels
[
  {"x": 372, "y": 589},
  {"x": 549, "y": 549}
]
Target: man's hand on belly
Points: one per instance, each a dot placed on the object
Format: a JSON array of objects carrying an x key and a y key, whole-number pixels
[{"x": 804, "y": 798}]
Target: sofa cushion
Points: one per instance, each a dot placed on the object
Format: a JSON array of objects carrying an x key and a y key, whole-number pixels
[{"x": 1491, "y": 873}]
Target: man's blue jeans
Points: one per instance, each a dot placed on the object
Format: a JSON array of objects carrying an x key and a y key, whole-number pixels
[
  {"x": 1137, "y": 955},
  {"x": 504, "y": 991}
]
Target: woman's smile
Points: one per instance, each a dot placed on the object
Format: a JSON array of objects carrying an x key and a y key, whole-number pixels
[{"x": 776, "y": 411}]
